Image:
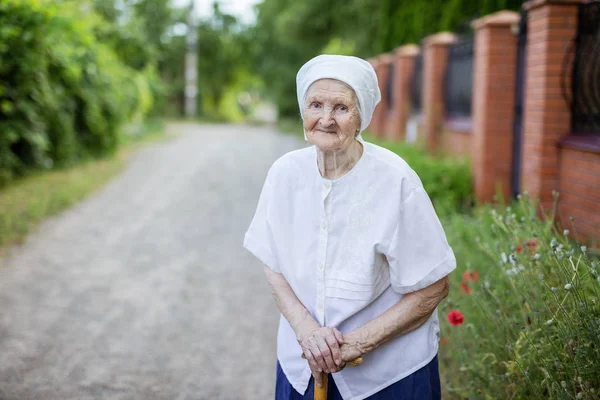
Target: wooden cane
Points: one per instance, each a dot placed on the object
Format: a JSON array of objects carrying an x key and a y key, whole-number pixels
[{"x": 321, "y": 391}]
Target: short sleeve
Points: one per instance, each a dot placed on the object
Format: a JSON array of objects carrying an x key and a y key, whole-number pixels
[
  {"x": 418, "y": 253},
  {"x": 259, "y": 239}
]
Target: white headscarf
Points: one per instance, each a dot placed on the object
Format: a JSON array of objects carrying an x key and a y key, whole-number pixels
[{"x": 353, "y": 71}]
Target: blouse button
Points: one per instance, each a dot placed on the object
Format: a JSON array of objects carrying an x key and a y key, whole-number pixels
[
  {"x": 324, "y": 225},
  {"x": 321, "y": 266}
]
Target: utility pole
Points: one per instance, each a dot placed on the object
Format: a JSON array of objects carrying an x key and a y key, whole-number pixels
[{"x": 191, "y": 64}]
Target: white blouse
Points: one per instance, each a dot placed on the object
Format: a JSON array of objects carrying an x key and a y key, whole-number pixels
[{"x": 350, "y": 248}]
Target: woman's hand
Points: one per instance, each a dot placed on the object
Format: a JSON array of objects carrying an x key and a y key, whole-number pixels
[
  {"x": 321, "y": 347},
  {"x": 356, "y": 344}
]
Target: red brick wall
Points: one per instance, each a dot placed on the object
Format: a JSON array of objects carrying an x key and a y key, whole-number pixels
[
  {"x": 547, "y": 116},
  {"x": 404, "y": 61},
  {"x": 456, "y": 143},
  {"x": 493, "y": 107},
  {"x": 435, "y": 59},
  {"x": 579, "y": 173}
]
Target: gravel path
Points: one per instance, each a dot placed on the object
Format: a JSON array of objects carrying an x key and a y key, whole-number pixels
[{"x": 143, "y": 291}]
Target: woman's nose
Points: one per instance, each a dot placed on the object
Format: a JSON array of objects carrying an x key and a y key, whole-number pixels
[{"x": 327, "y": 118}]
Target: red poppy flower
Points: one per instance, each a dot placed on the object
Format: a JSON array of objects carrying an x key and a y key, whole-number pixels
[
  {"x": 444, "y": 340},
  {"x": 519, "y": 249},
  {"x": 455, "y": 317},
  {"x": 470, "y": 276},
  {"x": 464, "y": 288}
]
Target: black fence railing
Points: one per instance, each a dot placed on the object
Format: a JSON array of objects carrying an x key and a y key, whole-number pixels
[
  {"x": 459, "y": 80},
  {"x": 389, "y": 89},
  {"x": 416, "y": 86},
  {"x": 517, "y": 154},
  {"x": 585, "y": 78}
]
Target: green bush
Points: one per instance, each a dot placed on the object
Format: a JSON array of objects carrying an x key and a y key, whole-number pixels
[
  {"x": 529, "y": 296},
  {"x": 63, "y": 95},
  {"x": 448, "y": 181}
]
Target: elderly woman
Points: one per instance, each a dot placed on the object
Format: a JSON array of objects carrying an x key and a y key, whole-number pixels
[{"x": 353, "y": 250}]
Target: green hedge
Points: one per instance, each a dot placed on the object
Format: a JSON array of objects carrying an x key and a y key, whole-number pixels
[
  {"x": 529, "y": 296},
  {"x": 448, "y": 181},
  {"x": 63, "y": 95}
]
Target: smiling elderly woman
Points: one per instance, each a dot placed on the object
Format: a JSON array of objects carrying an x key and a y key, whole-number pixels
[{"x": 353, "y": 250}]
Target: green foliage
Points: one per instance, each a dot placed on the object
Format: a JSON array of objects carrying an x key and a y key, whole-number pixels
[
  {"x": 529, "y": 295},
  {"x": 221, "y": 60},
  {"x": 26, "y": 202},
  {"x": 448, "y": 181},
  {"x": 63, "y": 95}
]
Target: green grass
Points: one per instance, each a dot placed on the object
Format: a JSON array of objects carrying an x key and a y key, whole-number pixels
[
  {"x": 27, "y": 201},
  {"x": 529, "y": 293}
]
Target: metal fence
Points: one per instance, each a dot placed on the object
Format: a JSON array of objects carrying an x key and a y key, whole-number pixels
[
  {"x": 389, "y": 89},
  {"x": 459, "y": 79},
  {"x": 416, "y": 85},
  {"x": 585, "y": 78},
  {"x": 517, "y": 154}
]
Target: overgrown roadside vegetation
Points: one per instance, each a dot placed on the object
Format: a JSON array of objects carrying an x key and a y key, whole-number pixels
[{"x": 27, "y": 201}]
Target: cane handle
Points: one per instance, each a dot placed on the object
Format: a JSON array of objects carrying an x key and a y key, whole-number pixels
[{"x": 321, "y": 391}]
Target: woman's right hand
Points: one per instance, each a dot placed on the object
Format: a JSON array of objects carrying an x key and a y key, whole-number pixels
[{"x": 321, "y": 347}]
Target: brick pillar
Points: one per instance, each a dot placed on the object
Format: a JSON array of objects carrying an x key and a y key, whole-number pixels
[
  {"x": 404, "y": 64},
  {"x": 435, "y": 54},
  {"x": 494, "y": 85},
  {"x": 381, "y": 66},
  {"x": 374, "y": 125},
  {"x": 551, "y": 28}
]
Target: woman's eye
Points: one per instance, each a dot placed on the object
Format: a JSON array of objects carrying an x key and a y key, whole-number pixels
[
  {"x": 342, "y": 108},
  {"x": 315, "y": 105}
]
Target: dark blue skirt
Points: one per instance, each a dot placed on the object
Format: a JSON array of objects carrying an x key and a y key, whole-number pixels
[{"x": 423, "y": 384}]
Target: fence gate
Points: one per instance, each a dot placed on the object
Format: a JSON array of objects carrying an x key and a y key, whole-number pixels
[
  {"x": 585, "y": 76},
  {"x": 416, "y": 87},
  {"x": 458, "y": 81},
  {"x": 389, "y": 89},
  {"x": 517, "y": 153}
]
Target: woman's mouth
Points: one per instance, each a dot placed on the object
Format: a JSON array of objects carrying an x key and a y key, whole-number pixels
[{"x": 327, "y": 132}]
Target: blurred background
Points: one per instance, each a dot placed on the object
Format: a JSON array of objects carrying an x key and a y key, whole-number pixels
[{"x": 124, "y": 295}]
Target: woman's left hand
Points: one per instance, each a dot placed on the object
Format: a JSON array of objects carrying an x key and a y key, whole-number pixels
[{"x": 355, "y": 345}]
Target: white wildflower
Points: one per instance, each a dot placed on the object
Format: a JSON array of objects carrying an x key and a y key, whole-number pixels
[
  {"x": 549, "y": 322},
  {"x": 541, "y": 276},
  {"x": 537, "y": 256},
  {"x": 568, "y": 286},
  {"x": 563, "y": 384},
  {"x": 583, "y": 249},
  {"x": 504, "y": 259},
  {"x": 566, "y": 232}
]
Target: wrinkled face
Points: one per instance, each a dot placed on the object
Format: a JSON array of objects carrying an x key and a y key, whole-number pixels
[{"x": 331, "y": 117}]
